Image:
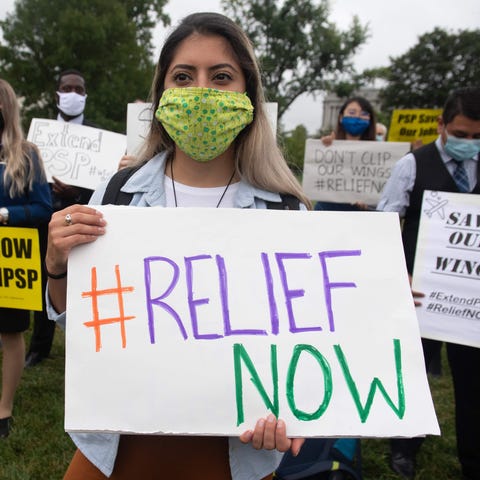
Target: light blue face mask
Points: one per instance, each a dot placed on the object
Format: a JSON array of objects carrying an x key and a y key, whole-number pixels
[{"x": 461, "y": 148}]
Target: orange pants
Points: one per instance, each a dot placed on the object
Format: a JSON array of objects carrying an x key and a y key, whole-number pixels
[{"x": 155, "y": 457}]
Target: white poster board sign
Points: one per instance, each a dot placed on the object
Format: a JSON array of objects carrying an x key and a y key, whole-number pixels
[
  {"x": 447, "y": 267},
  {"x": 272, "y": 114},
  {"x": 139, "y": 116},
  {"x": 349, "y": 171},
  {"x": 76, "y": 154},
  {"x": 202, "y": 327}
]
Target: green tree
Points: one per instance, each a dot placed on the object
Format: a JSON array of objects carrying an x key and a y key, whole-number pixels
[
  {"x": 109, "y": 41},
  {"x": 424, "y": 75},
  {"x": 294, "y": 148},
  {"x": 357, "y": 81},
  {"x": 299, "y": 49}
]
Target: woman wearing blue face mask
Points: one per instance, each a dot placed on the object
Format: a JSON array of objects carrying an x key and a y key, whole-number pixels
[{"x": 356, "y": 121}]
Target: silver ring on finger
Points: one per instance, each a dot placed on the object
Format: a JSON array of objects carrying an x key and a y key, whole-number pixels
[{"x": 68, "y": 220}]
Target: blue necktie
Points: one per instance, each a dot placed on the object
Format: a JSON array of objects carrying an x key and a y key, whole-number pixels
[{"x": 460, "y": 177}]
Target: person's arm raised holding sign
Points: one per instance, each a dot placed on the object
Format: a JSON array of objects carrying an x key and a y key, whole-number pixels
[{"x": 207, "y": 74}]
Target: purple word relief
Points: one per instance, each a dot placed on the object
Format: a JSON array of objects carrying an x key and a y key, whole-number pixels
[{"x": 164, "y": 302}]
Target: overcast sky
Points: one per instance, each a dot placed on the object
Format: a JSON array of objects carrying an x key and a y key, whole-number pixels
[{"x": 394, "y": 27}]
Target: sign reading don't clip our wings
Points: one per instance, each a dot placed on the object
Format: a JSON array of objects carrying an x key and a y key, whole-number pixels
[{"x": 349, "y": 171}]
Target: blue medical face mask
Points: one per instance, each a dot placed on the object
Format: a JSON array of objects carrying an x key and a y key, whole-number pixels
[
  {"x": 379, "y": 138},
  {"x": 354, "y": 125},
  {"x": 461, "y": 148}
]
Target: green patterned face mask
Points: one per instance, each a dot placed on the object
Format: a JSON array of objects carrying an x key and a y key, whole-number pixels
[{"x": 203, "y": 122}]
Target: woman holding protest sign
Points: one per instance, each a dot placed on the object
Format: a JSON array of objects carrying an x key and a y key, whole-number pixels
[
  {"x": 207, "y": 60},
  {"x": 24, "y": 202}
]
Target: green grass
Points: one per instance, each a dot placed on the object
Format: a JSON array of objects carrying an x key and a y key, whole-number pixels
[
  {"x": 437, "y": 459},
  {"x": 39, "y": 449}
]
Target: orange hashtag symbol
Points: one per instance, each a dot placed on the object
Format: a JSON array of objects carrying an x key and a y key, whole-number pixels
[{"x": 97, "y": 322}]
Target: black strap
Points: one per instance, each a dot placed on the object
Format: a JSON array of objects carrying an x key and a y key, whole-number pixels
[
  {"x": 114, "y": 196},
  {"x": 289, "y": 202}
]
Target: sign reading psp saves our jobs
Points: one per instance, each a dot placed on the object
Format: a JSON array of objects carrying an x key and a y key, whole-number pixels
[
  {"x": 218, "y": 317},
  {"x": 412, "y": 125}
]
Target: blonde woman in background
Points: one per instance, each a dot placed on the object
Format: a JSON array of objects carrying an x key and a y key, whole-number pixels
[{"x": 24, "y": 202}]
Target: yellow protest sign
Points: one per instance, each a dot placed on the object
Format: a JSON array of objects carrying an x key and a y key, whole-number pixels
[
  {"x": 411, "y": 125},
  {"x": 20, "y": 269}
]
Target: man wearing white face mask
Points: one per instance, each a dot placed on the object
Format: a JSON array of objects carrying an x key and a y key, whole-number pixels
[
  {"x": 449, "y": 164},
  {"x": 70, "y": 98}
]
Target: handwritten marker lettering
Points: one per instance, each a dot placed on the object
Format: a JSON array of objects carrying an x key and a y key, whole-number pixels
[
  {"x": 244, "y": 365},
  {"x": 174, "y": 290},
  {"x": 158, "y": 301},
  {"x": 98, "y": 322},
  {"x": 328, "y": 286},
  {"x": 162, "y": 276}
]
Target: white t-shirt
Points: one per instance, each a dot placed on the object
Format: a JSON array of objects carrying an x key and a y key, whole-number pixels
[{"x": 200, "y": 197}]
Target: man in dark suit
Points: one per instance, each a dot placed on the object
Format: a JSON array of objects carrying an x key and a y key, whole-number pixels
[
  {"x": 450, "y": 164},
  {"x": 70, "y": 95}
]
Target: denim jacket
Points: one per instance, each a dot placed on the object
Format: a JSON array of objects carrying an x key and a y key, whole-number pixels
[{"x": 147, "y": 184}]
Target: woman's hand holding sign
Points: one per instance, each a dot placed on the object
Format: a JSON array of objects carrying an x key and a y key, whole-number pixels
[
  {"x": 416, "y": 294},
  {"x": 75, "y": 225},
  {"x": 270, "y": 434}
]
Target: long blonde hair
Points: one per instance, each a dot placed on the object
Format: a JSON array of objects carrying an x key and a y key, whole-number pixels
[
  {"x": 20, "y": 171},
  {"x": 257, "y": 156}
]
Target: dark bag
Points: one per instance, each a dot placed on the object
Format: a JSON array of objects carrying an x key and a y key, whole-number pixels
[
  {"x": 114, "y": 196},
  {"x": 322, "y": 459}
]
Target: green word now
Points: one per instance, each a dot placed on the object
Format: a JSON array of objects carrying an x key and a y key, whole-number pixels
[{"x": 242, "y": 360}]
